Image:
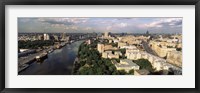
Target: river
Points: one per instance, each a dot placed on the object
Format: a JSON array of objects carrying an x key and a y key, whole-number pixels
[{"x": 59, "y": 62}]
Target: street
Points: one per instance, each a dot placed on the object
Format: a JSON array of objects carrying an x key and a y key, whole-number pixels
[{"x": 148, "y": 49}]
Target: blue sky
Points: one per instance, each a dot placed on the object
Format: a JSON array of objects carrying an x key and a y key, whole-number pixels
[{"x": 100, "y": 24}]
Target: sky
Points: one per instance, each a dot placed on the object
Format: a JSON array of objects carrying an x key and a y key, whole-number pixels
[{"x": 100, "y": 24}]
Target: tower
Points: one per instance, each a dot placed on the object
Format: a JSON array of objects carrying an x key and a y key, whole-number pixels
[
  {"x": 106, "y": 34},
  {"x": 147, "y": 33}
]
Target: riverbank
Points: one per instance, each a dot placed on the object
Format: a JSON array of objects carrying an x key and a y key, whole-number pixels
[{"x": 59, "y": 62}]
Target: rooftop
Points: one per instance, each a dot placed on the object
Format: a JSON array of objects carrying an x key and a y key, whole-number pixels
[
  {"x": 126, "y": 63},
  {"x": 143, "y": 72}
]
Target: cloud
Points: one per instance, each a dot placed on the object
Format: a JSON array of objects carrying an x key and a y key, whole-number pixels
[
  {"x": 123, "y": 25},
  {"x": 25, "y": 20},
  {"x": 72, "y": 27},
  {"x": 70, "y": 24},
  {"x": 108, "y": 28},
  {"x": 114, "y": 26},
  {"x": 169, "y": 22},
  {"x": 64, "y": 21}
]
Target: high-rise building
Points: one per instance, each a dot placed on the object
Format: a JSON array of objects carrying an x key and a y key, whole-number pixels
[
  {"x": 100, "y": 48},
  {"x": 68, "y": 38},
  {"x": 147, "y": 33},
  {"x": 40, "y": 37},
  {"x": 64, "y": 37},
  {"x": 55, "y": 37},
  {"x": 46, "y": 37},
  {"x": 106, "y": 34}
]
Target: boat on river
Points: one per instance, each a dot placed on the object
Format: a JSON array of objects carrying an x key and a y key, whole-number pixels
[{"x": 41, "y": 57}]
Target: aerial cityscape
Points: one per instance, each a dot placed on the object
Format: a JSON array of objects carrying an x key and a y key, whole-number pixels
[{"x": 99, "y": 46}]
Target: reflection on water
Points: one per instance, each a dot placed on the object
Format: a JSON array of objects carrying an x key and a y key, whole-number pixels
[{"x": 59, "y": 62}]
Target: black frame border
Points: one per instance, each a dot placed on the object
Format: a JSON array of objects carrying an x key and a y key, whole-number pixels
[{"x": 3, "y": 3}]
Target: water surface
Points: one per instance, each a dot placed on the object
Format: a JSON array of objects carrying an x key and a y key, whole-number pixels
[{"x": 59, "y": 62}]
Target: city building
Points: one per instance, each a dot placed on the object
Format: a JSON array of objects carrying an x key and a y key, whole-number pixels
[
  {"x": 55, "y": 37},
  {"x": 106, "y": 34},
  {"x": 88, "y": 42},
  {"x": 121, "y": 44},
  {"x": 40, "y": 37},
  {"x": 110, "y": 56},
  {"x": 125, "y": 64},
  {"x": 175, "y": 57},
  {"x": 65, "y": 38},
  {"x": 168, "y": 58},
  {"x": 115, "y": 41},
  {"x": 131, "y": 50},
  {"x": 158, "y": 65},
  {"x": 109, "y": 47},
  {"x": 46, "y": 37},
  {"x": 118, "y": 53},
  {"x": 162, "y": 48},
  {"x": 110, "y": 41},
  {"x": 130, "y": 39},
  {"x": 104, "y": 55},
  {"x": 157, "y": 62},
  {"x": 129, "y": 47},
  {"x": 100, "y": 47}
]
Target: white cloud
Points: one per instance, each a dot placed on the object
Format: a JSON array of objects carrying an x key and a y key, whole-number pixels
[
  {"x": 65, "y": 21},
  {"x": 165, "y": 22},
  {"x": 108, "y": 28},
  {"x": 123, "y": 25},
  {"x": 101, "y": 24}
]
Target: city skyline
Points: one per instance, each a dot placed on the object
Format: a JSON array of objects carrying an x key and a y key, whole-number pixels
[
  {"x": 93, "y": 54},
  {"x": 99, "y": 24}
]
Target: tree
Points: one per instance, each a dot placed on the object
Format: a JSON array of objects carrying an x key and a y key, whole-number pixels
[
  {"x": 123, "y": 51},
  {"x": 35, "y": 44},
  {"x": 122, "y": 72},
  {"x": 115, "y": 72},
  {"x": 99, "y": 71},
  {"x": 114, "y": 44},
  {"x": 91, "y": 63},
  {"x": 178, "y": 49},
  {"x": 82, "y": 63},
  {"x": 144, "y": 64},
  {"x": 131, "y": 72}
]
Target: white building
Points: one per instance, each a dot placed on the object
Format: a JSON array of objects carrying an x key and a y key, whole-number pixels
[
  {"x": 105, "y": 54},
  {"x": 88, "y": 42},
  {"x": 126, "y": 64},
  {"x": 129, "y": 47},
  {"x": 46, "y": 37},
  {"x": 110, "y": 41},
  {"x": 120, "y": 44},
  {"x": 157, "y": 62},
  {"x": 115, "y": 41},
  {"x": 118, "y": 53},
  {"x": 106, "y": 34},
  {"x": 100, "y": 48},
  {"x": 109, "y": 54},
  {"x": 175, "y": 57}
]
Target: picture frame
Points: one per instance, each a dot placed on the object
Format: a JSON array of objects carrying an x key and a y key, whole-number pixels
[{"x": 97, "y": 2}]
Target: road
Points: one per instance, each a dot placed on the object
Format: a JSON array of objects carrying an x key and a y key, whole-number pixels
[
  {"x": 27, "y": 59},
  {"x": 148, "y": 49}
]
